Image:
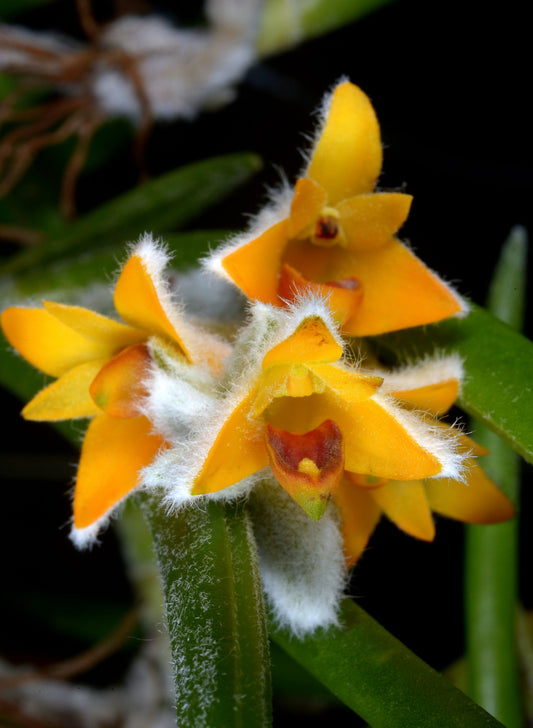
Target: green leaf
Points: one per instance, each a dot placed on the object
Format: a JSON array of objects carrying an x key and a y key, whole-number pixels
[
  {"x": 286, "y": 23},
  {"x": 15, "y": 7},
  {"x": 491, "y": 553},
  {"x": 497, "y": 389},
  {"x": 157, "y": 206},
  {"x": 215, "y": 615},
  {"x": 67, "y": 278},
  {"x": 379, "y": 678}
]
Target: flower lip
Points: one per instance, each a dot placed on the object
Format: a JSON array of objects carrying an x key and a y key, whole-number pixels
[{"x": 309, "y": 466}]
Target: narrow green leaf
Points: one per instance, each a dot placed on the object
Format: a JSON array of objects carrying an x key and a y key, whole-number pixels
[
  {"x": 215, "y": 615},
  {"x": 69, "y": 278},
  {"x": 286, "y": 23},
  {"x": 379, "y": 678},
  {"x": 157, "y": 206},
  {"x": 497, "y": 389},
  {"x": 491, "y": 554}
]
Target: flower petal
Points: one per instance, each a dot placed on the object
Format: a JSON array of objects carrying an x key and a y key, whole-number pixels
[
  {"x": 308, "y": 201},
  {"x": 68, "y": 397},
  {"x": 95, "y": 327},
  {"x": 311, "y": 342},
  {"x": 360, "y": 516},
  {"x": 254, "y": 266},
  {"x": 406, "y": 505},
  {"x": 476, "y": 501},
  {"x": 140, "y": 303},
  {"x": 344, "y": 297},
  {"x": 237, "y": 452},
  {"x": 433, "y": 398},
  {"x": 369, "y": 221},
  {"x": 119, "y": 385},
  {"x": 309, "y": 466},
  {"x": 399, "y": 291},
  {"x": 347, "y": 158},
  {"x": 113, "y": 453},
  {"x": 46, "y": 342}
]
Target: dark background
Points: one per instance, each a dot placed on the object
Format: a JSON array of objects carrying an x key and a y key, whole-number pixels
[{"x": 451, "y": 87}]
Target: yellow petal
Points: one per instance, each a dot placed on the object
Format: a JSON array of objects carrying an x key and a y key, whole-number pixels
[
  {"x": 368, "y": 221},
  {"x": 347, "y": 158},
  {"x": 351, "y": 386},
  {"x": 119, "y": 385},
  {"x": 68, "y": 397},
  {"x": 399, "y": 291},
  {"x": 476, "y": 501},
  {"x": 95, "y": 327},
  {"x": 254, "y": 267},
  {"x": 113, "y": 453},
  {"x": 360, "y": 516},
  {"x": 433, "y": 398},
  {"x": 405, "y": 504},
  {"x": 343, "y": 297},
  {"x": 138, "y": 302},
  {"x": 308, "y": 201},
  {"x": 311, "y": 342},
  {"x": 309, "y": 466},
  {"x": 238, "y": 451},
  {"x": 46, "y": 342}
]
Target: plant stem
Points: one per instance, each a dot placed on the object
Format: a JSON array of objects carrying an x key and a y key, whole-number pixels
[
  {"x": 215, "y": 614},
  {"x": 491, "y": 566}
]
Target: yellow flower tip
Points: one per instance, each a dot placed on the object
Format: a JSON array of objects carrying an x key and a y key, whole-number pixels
[
  {"x": 309, "y": 466},
  {"x": 312, "y": 341},
  {"x": 119, "y": 385},
  {"x": 344, "y": 297},
  {"x": 347, "y": 157},
  {"x": 141, "y": 294}
]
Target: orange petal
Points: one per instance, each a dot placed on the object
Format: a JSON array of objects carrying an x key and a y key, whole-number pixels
[
  {"x": 351, "y": 385},
  {"x": 368, "y": 221},
  {"x": 311, "y": 342},
  {"x": 254, "y": 267},
  {"x": 308, "y": 201},
  {"x": 399, "y": 291},
  {"x": 113, "y": 453},
  {"x": 343, "y": 297},
  {"x": 47, "y": 343},
  {"x": 68, "y": 397},
  {"x": 433, "y": 398},
  {"x": 119, "y": 385},
  {"x": 406, "y": 505},
  {"x": 138, "y": 302},
  {"x": 308, "y": 466},
  {"x": 476, "y": 501},
  {"x": 238, "y": 451},
  {"x": 360, "y": 516},
  {"x": 347, "y": 158},
  {"x": 95, "y": 327}
]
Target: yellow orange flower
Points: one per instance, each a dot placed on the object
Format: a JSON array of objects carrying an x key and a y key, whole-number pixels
[
  {"x": 336, "y": 237},
  {"x": 100, "y": 365},
  {"x": 311, "y": 418},
  {"x": 363, "y": 499}
]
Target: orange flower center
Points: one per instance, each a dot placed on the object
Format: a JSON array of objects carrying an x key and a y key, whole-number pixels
[{"x": 309, "y": 466}]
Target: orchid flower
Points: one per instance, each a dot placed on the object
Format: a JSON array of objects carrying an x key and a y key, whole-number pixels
[
  {"x": 301, "y": 410},
  {"x": 430, "y": 387},
  {"x": 335, "y": 236},
  {"x": 101, "y": 367}
]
